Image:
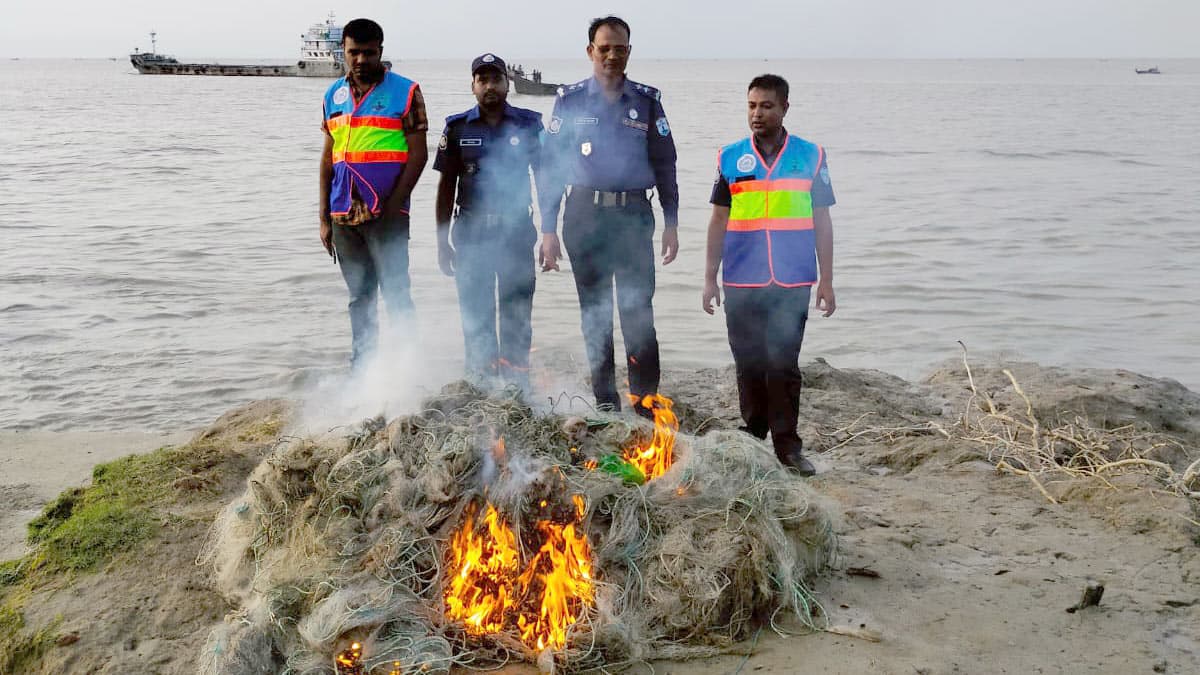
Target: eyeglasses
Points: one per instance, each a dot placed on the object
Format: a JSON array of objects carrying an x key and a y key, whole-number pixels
[{"x": 616, "y": 50}]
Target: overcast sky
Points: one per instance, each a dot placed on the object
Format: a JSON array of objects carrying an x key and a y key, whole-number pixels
[{"x": 661, "y": 28}]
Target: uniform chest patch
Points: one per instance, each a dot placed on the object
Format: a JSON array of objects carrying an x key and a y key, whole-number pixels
[
  {"x": 469, "y": 142},
  {"x": 586, "y": 120},
  {"x": 341, "y": 95},
  {"x": 514, "y": 141},
  {"x": 746, "y": 163},
  {"x": 640, "y": 126},
  {"x": 555, "y": 125},
  {"x": 633, "y": 114}
]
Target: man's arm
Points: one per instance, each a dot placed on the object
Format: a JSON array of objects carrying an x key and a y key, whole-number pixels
[
  {"x": 823, "y": 233},
  {"x": 717, "y": 223},
  {"x": 660, "y": 146},
  {"x": 323, "y": 206},
  {"x": 552, "y": 183},
  {"x": 415, "y": 128}
]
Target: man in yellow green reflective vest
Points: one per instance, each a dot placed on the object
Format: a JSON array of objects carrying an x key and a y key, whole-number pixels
[
  {"x": 771, "y": 236},
  {"x": 375, "y": 150}
]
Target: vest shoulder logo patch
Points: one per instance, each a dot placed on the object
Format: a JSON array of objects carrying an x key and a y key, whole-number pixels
[
  {"x": 664, "y": 129},
  {"x": 825, "y": 176},
  {"x": 443, "y": 143},
  {"x": 341, "y": 95},
  {"x": 746, "y": 162},
  {"x": 555, "y": 125}
]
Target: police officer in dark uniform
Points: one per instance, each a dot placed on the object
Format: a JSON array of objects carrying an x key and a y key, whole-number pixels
[
  {"x": 485, "y": 157},
  {"x": 608, "y": 144}
]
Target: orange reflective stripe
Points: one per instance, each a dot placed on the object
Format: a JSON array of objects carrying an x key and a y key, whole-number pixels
[
  {"x": 789, "y": 184},
  {"x": 390, "y": 123},
  {"x": 369, "y": 156},
  {"x": 760, "y": 224}
]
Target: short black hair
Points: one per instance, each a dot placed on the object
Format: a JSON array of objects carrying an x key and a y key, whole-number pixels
[
  {"x": 362, "y": 30},
  {"x": 770, "y": 82},
  {"x": 611, "y": 21}
]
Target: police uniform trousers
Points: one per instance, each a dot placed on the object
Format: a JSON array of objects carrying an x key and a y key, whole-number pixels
[
  {"x": 373, "y": 257},
  {"x": 766, "y": 328},
  {"x": 495, "y": 275},
  {"x": 610, "y": 244}
]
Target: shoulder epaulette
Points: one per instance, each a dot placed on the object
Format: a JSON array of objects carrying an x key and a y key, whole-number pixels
[
  {"x": 456, "y": 117},
  {"x": 568, "y": 89},
  {"x": 646, "y": 90}
]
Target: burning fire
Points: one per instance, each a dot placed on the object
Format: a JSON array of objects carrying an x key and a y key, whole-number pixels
[
  {"x": 655, "y": 458},
  {"x": 490, "y": 589}
]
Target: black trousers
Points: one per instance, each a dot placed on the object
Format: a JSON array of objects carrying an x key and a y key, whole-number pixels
[
  {"x": 496, "y": 279},
  {"x": 610, "y": 245},
  {"x": 766, "y": 328}
]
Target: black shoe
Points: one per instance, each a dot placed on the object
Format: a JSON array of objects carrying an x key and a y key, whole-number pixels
[{"x": 792, "y": 457}]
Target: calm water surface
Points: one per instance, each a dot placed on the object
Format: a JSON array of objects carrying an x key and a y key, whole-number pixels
[{"x": 161, "y": 260}]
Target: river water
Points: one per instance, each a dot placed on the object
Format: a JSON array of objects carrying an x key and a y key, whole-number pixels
[{"x": 161, "y": 261}]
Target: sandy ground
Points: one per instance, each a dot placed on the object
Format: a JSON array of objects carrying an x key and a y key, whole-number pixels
[
  {"x": 35, "y": 466},
  {"x": 946, "y": 565}
]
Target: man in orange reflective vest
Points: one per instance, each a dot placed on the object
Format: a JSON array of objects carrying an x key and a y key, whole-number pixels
[
  {"x": 771, "y": 236},
  {"x": 375, "y": 150}
]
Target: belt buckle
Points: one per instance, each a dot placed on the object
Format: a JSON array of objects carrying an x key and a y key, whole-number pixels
[{"x": 610, "y": 199}]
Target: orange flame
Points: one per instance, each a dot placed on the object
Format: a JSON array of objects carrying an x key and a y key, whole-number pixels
[
  {"x": 655, "y": 458},
  {"x": 489, "y": 589}
]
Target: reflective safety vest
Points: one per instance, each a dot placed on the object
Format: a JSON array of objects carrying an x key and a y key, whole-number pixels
[
  {"x": 369, "y": 147},
  {"x": 769, "y": 239}
]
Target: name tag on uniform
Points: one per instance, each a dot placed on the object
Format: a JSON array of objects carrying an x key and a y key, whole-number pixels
[
  {"x": 470, "y": 141},
  {"x": 586, "y": 120},
  {"x": 640, "y": 126}
]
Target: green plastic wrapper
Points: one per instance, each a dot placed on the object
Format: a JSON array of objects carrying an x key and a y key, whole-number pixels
[{"x": 621, "y": 468}]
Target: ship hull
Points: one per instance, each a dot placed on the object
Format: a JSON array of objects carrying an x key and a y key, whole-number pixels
[
  {"x": 527, "y": 86},
  {"x": 300, "y": 69}
]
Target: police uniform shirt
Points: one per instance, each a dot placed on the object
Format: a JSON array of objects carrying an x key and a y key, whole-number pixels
[
  {"x": 492, "y": 163},
  {"x": 822, "y": 188},
  {"x": 618, "y": 146}
]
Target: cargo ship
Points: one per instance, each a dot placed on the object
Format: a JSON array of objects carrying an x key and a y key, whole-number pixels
[{"x": 320, "y": 56}]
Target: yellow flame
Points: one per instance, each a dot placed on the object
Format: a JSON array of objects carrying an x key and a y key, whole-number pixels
[
  {"x": 489, "y": 590},
  {"x": 655, "y": 458}
]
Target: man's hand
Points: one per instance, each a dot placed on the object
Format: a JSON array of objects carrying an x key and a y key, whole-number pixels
[
  {"x": 670, "y": 245},
  {"x": 549, "y": 252},
  {"x": 446, "y": 259},
  {"x": 327, "y": 234},
  {"x": 712, "y": 294},
  {"x": 825, "y": 301}
]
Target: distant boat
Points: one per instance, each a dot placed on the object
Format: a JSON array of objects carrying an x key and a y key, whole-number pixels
[
  {"x": 1147, "y": 71},
  {"x": 320, "y": 56},
  {"x": 532, "y": 85}
]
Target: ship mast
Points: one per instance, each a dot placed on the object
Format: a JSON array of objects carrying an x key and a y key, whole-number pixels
[{"x": 153, "y": 42}]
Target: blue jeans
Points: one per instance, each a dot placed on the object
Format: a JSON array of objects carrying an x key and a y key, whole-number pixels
[{"x": 374, "y": 257}]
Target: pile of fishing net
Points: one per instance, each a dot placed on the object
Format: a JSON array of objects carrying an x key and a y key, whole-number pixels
[{"x": 347, "y": 546}]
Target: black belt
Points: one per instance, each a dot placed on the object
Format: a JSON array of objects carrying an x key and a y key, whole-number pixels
[
  {"x": 493, "y": 219},
  {"x": 610, "y": 199}
]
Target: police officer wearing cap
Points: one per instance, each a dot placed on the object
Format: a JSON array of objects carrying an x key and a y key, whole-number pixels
[
  {"x": 608, "y": 144},
  {"x": 485, "y": 157}
]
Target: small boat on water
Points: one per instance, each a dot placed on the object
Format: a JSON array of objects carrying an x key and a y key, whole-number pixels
[
  {"x": 531, "y": 85},
  {"x": 1147, "y": 71},
  {"x": 320, "y": 56}
]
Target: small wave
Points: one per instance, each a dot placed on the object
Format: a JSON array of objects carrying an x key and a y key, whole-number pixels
[
  {"x": 184, "y": 149},
  {"x": 1013, "y": 155},
  {"x": 883, "y": 153},
  {"x": 19, "y": 307}
]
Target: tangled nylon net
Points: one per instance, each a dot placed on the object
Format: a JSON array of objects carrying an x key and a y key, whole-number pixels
[{"x": 349, "y": 538}]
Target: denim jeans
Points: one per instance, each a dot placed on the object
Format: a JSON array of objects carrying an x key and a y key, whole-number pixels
[{"x": 374, "y": 257}]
